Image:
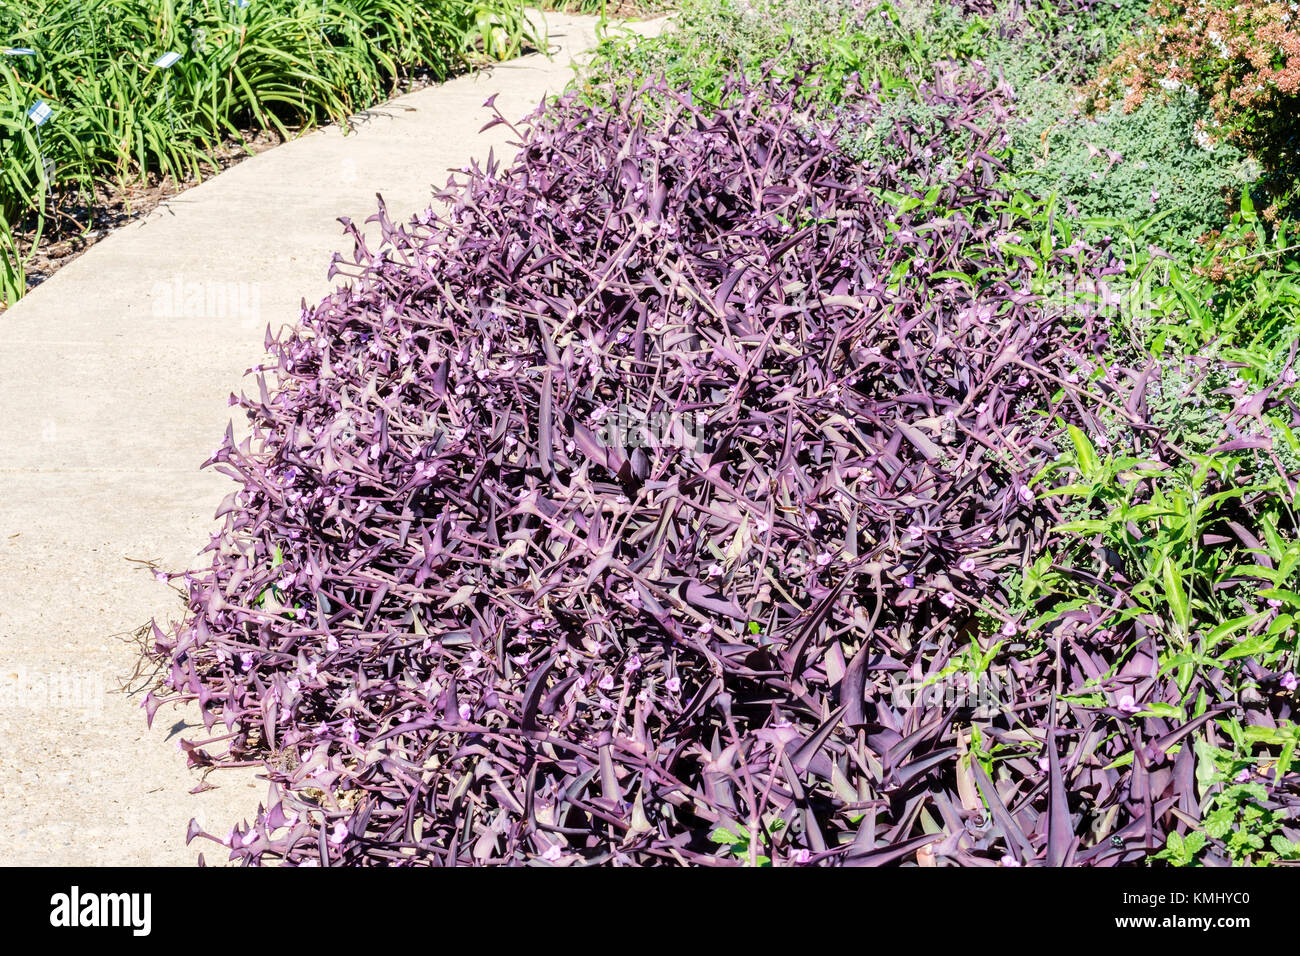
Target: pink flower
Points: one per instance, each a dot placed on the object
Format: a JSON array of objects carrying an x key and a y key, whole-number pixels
[
  {"x": 606, "y": 682},
  {"x": 1289, "y": 681},
  {"x": 553, "y": 853},
  {"x": 967, "y": 566},
  {"x": 1009, "y": 629},
  {"x": 947, "y": 599},
  {"x": 1128, "y": 705},
  {"x": 1025, "y": 494},
  {"x": 673, "y": 685},
  {"x": 1008, "y": 860}
]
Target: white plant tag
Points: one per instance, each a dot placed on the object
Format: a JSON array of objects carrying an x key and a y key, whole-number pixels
[{"x": 39, "y": 112}]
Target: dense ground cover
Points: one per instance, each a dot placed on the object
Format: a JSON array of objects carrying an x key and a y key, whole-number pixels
[
  {"x": 121, "y": 114},
  {"x": 835, "y": 439}
]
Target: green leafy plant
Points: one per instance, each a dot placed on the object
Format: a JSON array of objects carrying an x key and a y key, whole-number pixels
[
  {"x": 12, "y": 277},
  {"x": 1133, "y": 166},
  {"x": 741, "y": 844},
  {"x": 840, "y": 45}
]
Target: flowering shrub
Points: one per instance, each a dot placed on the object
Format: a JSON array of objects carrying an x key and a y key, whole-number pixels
[{"x": 1243, "y": 57}]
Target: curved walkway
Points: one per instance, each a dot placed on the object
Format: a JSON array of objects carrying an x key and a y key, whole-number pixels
[{"x": 114, "y": 379}]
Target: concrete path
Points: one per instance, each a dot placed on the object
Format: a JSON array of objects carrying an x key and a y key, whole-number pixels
[{"x": 114, "y": 379}]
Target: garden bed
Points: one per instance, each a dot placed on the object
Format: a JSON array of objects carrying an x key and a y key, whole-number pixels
[{"x": 834, "y": 440}]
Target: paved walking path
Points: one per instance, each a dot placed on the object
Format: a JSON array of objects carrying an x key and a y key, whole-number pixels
[{"x": 114, "y": 378}]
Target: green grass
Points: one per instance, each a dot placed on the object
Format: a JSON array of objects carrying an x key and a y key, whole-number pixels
[{"x": 277, "y": 65}]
